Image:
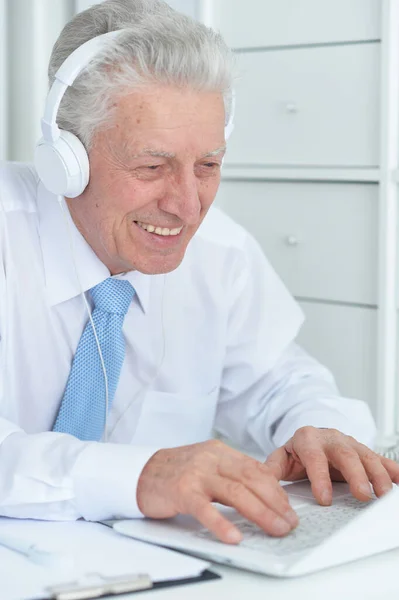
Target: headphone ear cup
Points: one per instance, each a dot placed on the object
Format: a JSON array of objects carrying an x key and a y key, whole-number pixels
[{"x": 63, "y": 165}]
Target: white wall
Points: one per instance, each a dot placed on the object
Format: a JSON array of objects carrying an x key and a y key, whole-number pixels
[
  {"x": 28, "y": 30},
  {"x": 189, "y": 7},
  {"x": 33, "y": 27},
  {"x": 3, "y": 81}
]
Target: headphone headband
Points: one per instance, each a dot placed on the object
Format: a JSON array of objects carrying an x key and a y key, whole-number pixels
[{"x": 65, "y": 76}]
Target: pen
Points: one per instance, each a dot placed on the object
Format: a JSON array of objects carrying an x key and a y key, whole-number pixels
[{"x": 35, "y": 554}]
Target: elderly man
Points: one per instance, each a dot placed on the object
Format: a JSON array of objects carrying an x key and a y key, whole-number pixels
[{"x": 133, "y": 313}]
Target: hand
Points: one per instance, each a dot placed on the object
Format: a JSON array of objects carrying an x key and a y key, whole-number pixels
[
  {"x": 325, "y": 455},
  {"x": 188, "y": 479}
]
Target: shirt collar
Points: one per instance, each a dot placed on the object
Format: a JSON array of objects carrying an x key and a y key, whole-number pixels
[{"x": 60, "y": 275}]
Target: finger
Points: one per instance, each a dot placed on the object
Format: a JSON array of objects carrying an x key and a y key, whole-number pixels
[
  {"x": 392, "y": 467},
  {"x": 376, "y": 472},
  {"x": 278, "y": 463},
  {"x": 268, "y": 491},
  {"x": 235, "y": 494},
  {"x": 261, "y": 481},
  {"x": 347, "y": 461},
  {"x": 209, "y": 516},
  {"x": 285, "y": 465},
  {"x": 313, "y": 458},
  {"x": 258, "y": 479}
]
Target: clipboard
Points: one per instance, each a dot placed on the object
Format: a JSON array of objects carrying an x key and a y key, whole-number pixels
[
  {"x": 88, "y": 561},
  {"x": 119, "y": 587}
]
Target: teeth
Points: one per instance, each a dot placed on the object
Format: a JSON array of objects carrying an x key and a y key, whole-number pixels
[{"x": 159, "y": 230}]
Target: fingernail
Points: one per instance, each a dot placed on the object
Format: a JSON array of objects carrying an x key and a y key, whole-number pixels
[
  {"x": 291, "y": 517},
  {"x": 325, "y": 497},
  {"x": 365, "y": 489},
  {"x": 280, "y": 526},
  {"x": 233, "y": 536}
]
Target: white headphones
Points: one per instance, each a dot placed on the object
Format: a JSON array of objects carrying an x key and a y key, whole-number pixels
[{"x": 61, "y": 160}]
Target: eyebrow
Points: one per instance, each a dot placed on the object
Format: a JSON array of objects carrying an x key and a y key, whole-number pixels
[
  {"x": 214, "y": 152},
  {"x": 149, "y": 152},
  {"x": 163, "y": 154}
]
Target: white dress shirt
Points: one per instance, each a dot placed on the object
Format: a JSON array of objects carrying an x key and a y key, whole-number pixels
[{"x": 209, "y": 347}]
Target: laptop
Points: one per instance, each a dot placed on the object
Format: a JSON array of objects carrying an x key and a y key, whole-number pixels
[{"x": 326, "y": 536}]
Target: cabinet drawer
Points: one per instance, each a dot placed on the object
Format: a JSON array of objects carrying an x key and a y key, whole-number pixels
[
  {"x": 284, "y": 22},
  {"x": 308, "y": 106},
  {"x": 320, "y": 237},
  {"x": 343, "y": 338}
]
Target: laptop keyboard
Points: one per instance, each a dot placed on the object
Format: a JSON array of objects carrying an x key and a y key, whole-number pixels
[{"x": 316, "y": 523}]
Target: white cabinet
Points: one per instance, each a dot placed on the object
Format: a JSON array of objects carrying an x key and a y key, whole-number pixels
[
  {"x": 312, "y": 171},
  {"x": 291, "y": 22},
  {"x": 320, "y": 237},
  {"x": 308, "y": 106},
  {"x": 342, "y": 337}
]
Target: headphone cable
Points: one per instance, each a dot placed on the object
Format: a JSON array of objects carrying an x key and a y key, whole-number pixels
[{"x": 89, "y": 312}]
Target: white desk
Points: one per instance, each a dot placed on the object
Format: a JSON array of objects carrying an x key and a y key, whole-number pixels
[{"x": 374, "y": 578}]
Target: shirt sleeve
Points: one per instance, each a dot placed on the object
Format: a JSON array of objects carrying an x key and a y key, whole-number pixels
[
  {"x": 310, "y": 396},
  {"x": 54, "y": 476},
  {"x": 270, "y": 386}
]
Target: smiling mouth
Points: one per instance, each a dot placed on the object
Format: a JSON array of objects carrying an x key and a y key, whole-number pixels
[{"x": 161, "y": 231}]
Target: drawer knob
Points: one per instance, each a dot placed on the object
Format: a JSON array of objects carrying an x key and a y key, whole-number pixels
[
  {"x": 292, "y": 240},
  {"x": 291, "y": 108}
]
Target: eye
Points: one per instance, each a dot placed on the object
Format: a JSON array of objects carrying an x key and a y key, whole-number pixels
[
  {"x": 153, "y": 167},
  {"x": 211, "y": 165}
]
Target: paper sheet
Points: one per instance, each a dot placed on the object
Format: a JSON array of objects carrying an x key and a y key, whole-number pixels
[{"x": 82, "y": 548}]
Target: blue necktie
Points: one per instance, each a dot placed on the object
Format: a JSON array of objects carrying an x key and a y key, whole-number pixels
[{"x": 82, "y": 411}]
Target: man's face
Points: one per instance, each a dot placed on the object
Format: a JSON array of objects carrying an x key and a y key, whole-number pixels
[{"x": 155, "y": 172}]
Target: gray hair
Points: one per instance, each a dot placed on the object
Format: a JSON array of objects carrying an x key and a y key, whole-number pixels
[{"x": 158, "y": 45}]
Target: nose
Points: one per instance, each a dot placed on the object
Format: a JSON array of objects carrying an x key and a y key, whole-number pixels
[{"x": 181, "y": 197}]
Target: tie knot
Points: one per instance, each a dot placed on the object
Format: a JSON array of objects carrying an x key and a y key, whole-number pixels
[{"x": 113, "y": 295}]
